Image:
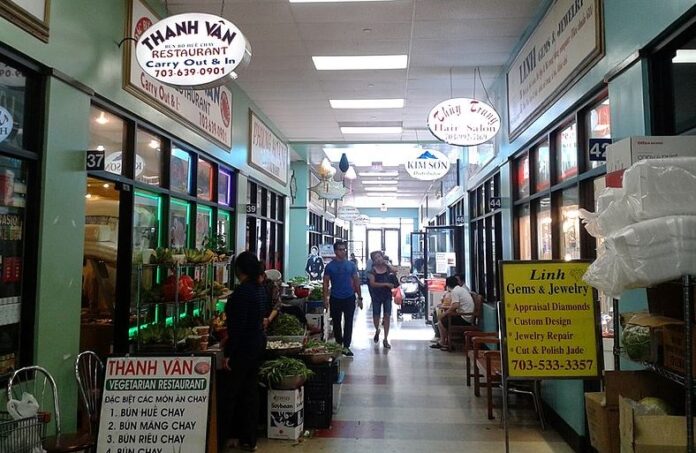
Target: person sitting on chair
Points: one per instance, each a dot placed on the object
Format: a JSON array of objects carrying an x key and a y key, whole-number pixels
[{"x": 461, "y": 302}]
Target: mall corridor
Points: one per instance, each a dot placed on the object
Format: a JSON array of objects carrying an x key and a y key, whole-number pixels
[{"x": 413, "y": 399}]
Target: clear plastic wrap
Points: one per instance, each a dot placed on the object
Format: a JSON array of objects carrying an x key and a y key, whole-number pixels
[{"x": 644, "y": 254}]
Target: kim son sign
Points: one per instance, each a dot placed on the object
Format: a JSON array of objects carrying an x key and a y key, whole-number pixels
[
  {"x": 192, "y": 50},
  {"x": 565, "y": 44},
  {"x": 208, "y": 111},
  {"x": 463, "y": 121},
  {"x": 428, "y": 166}
]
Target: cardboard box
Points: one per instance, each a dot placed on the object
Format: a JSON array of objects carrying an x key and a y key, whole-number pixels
[
  {"x": 285, "y": 414},
  {"x": 673, "y": 346},
  {"x": 600, "y": 420},
  {"x": 656, "y": 324},
  {"x": 650, "y": 433},
  {"x": 626, "y": 152}
]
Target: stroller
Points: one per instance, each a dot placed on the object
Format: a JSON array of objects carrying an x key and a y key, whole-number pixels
[{"x": 414, "y": 297}]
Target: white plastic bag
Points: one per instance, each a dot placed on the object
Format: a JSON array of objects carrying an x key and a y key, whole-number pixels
[{"x": 19, "y": 409}]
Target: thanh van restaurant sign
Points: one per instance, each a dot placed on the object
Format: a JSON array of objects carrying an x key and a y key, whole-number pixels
[
  {"x": 192, "y": 50},
  {"x": 549, "y": 320},
  {"x": 208, "y": 111},
  {"x": 267, "y": 153},
  {"x": 463, "y": 122},
  {"x": 566, "y": 43},
  {"x": 428, "y": 166},
  {"x": 155, "y": 404}
]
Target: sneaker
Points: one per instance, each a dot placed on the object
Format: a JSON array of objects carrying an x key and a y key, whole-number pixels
[
  {"x": 376, "y": 337},
  {"x": 386, "y": 344},
  {"x": 347, "y": 352},
  {"x": 435, "y": 346}
]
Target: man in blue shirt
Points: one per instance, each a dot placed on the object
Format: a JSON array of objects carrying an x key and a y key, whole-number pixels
[{"x": 342, "y": 276}]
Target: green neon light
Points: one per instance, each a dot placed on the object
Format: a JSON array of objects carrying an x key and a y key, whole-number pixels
[{"x": 133, "y": 331}]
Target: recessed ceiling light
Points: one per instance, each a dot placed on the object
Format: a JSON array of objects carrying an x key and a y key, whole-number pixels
[
  {"x": 360, "y": 62},
  {"x": 381, "y": 189},
  {"x": 102, "y": 119},
  {"x": 366, "y": 103},
  {"x": 685, "y": 56},
  {"x": 371, "y": 130},
  {"x": 378, "y": 173},
  {"x": 384, "y": 183},
  {"x": 336, "y": 1}
]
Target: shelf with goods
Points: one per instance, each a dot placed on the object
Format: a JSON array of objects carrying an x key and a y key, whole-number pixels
[{"x": 172, "y": 303}]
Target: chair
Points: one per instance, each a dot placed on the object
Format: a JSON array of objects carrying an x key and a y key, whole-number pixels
[
  {"x": 469, "y": 351},
  {"x": 455, "y": 334},
  {"x": 39, "y": 382},
  {"x": 89, "y": 373}
]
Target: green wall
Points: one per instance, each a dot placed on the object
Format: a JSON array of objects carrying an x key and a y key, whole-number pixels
[{"x": 299, "y": 219}]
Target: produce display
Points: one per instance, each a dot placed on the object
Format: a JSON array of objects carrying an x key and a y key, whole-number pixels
[
  {"x": 184, "y": 288},
  {"x": 280, "y": 345},
  {"x": 655, "y": 406},
  {"x": 636, "y": 342},
  {"x": 317, "y": 293},
  {"x": 286, "y": 325},
  {"x": 159, "y": 334},
  {"x": 298, "y": 281},
  {"x": 322, "y": 347},
  {"x": 272, "y": 372}
]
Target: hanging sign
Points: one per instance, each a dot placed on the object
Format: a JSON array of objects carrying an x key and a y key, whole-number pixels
[
  {"x": 362, "y": 219},
  {"x": 6, "y": 123},
  {"x": 348, "y": 212},
  {"x": 565, "y": 44},
  {"x": 328, "y": 189},
  {"x": 155, "y": 404},
  {"x": 267, "y": 153},
  {"x": 463, "y": 121},
  {"x": 208, "y": 111},
  {"x": 549, "y": 320},
  {"x": 192, "y": 50},
  {"x": 428, "y": 166}
]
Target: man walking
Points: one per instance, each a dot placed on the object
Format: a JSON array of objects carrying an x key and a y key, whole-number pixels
[{"x": 342, "y": 276}]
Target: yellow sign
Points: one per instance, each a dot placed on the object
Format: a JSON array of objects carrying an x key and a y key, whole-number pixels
[{"x": 549, "y": 320}]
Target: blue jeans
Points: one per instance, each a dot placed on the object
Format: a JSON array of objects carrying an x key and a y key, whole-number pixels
[{"x": 338, "y": 309}]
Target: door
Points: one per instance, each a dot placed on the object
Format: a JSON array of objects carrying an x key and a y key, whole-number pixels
[
  {"x": 444, "y": 257},
  {"x": 374, "y": 241},
  {"x": 387, "y": 240}
]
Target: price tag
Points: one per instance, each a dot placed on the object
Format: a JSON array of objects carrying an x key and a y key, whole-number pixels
[
  {"x": 495, "y": 203},
  {"x": 598, "y": 149},
  {"x": 250, "y": 208},
  {"x": 95, "y": 160}
]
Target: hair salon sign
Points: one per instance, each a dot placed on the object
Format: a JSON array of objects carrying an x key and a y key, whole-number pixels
[
  {"x": 463, "y": 121},
  {"x": 192, "y": 50}
]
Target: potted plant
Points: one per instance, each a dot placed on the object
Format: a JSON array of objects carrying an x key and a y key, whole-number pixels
[{"x": 284, "y": 373}]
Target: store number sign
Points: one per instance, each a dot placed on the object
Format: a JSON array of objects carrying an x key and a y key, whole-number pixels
[
  {"x": 549, "y": 320},
  {"x": 155, "y": 404}
]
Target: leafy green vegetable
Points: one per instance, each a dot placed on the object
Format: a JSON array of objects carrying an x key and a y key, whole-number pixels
[
  {"x": 286, "y": 325},
  {"x": 317, "y": 293},
  {"x": 298, "y": 281},
  {"x": 636, "y": 342},
  {"x": 273, "y": 371}
]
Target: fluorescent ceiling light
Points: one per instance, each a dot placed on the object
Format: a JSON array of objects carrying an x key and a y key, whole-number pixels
[
  {"x": 381, "y": 189},
  {"x": 336, "y": 1},
  {"x": 381, "y": 195},
  {"x": 383, "y": 183},
  {"x": 364, "y": 154},
  {"x": 685, "y": 56},
  {"x": 379, "y": 173},
  {"x": 366, "y": 103},
  {"x": 360, "y": 62},
  {"x": 371, "y": 130}
]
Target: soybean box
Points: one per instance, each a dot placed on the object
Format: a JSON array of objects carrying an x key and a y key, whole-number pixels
[{"x": 285, "y": 413}]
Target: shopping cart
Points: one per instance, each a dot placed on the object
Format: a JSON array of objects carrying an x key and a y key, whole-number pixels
[{"x": 23, "y": 435}]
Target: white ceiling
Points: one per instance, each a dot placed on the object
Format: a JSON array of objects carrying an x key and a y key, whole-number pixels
[{"x": 444, "y": 40}]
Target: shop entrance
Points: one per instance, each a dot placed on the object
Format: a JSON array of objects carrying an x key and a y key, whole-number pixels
[
  {"x": 99, "y": 266},
  {"x": 387, "y": 240}
]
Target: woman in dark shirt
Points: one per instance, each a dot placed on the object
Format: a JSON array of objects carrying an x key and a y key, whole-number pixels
[
  {"x": 245, "y": 346},
  {"x": 381, "y": 281}
]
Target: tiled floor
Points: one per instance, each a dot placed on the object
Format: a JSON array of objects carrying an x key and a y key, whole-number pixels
[{"x": 415, "y": 399}]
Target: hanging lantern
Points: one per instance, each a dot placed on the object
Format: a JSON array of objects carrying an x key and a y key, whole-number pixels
[
  {"x": 325, "y": 170},
  {"x": 350, "y": 174},
  {"x": 343, "y": 163}
]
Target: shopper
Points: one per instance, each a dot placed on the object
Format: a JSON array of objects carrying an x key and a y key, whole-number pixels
[
  {"x": 245, "y": 346},
  {"x": 341, "y": 276},
  {"x": 381, "y": 281},
  {"x": 454, "y": 314}
]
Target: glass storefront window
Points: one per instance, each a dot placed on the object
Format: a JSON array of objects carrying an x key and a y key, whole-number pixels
[
  {"x": 542, "y": 167},
  {"x": 204, "y": 224},
  {"x": 567, "y": 153},
  {"x": 147, "y": 218},
  {"x": 523, "y": 176},
  {"x": 544, "y": 229},
  {"x": 12, "y": 99},
  {"x": 148, "y": 158},
  {"x": 598, "y": 125},
  {"x": 180, "y": 170},
  {"x": 683, "y": 71},
  {"x": 224, "y": 225},
  {"x": 13, "y": 185},
  {"x": 570, "y": 225},
  {"x": 204, "y": 182},
  {"x": 224, "y": 187},
  {"x": 107, "y": 134},
  {"x": 525, "y": 232},
  {"x": 178, "y": 223}
]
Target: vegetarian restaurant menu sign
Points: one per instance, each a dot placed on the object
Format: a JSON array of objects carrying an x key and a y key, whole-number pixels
[
  {"x": 155, "y": 404},
  {"x": 549, "y": 320}
]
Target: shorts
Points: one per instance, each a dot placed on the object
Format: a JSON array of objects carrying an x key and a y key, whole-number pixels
[
  {"x": 456, "y": 321},
  {"x": 377, "y": 307}
]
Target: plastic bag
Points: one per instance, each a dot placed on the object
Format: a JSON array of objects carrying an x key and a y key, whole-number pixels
[{"x": 398, "y": 295}]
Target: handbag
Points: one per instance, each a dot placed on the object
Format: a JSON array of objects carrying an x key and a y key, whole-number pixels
[{"x": 398, "y": 296}]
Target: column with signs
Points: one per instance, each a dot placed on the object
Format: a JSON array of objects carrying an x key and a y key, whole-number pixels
[
  {"x": 549, "y": 321},
  {"x": 155, "y": 404}
]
